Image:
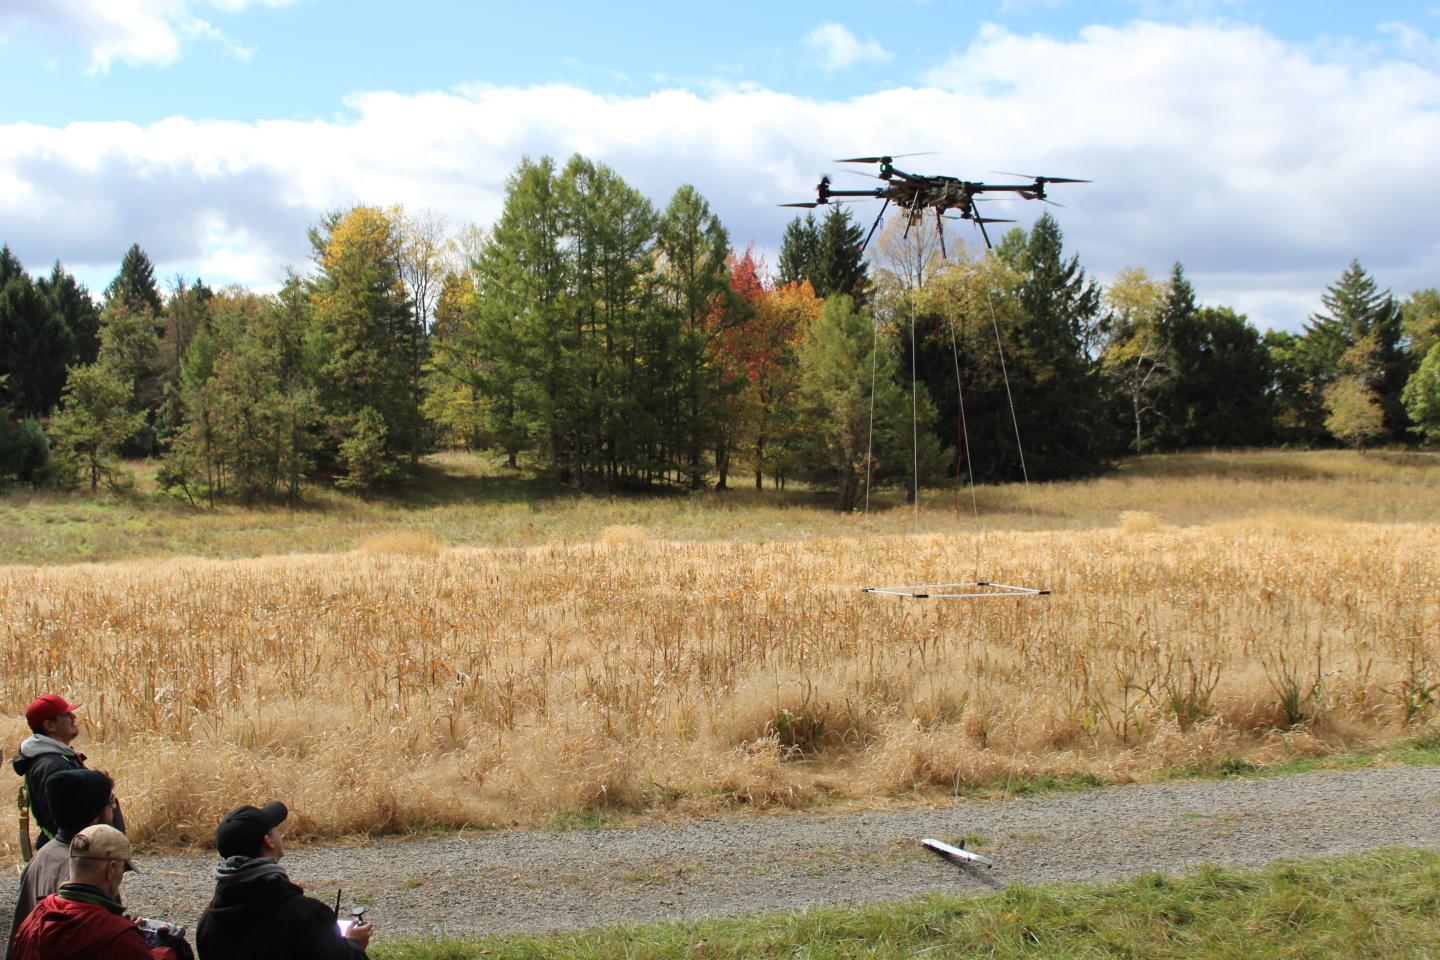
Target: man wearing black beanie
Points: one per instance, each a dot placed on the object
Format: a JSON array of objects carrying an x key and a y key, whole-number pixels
[
  {"x": 257, "y": 913},
  {"x": 77, "y": 799}
]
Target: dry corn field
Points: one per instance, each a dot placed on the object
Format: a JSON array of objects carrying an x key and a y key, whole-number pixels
[{"x": 410, "y": 685}]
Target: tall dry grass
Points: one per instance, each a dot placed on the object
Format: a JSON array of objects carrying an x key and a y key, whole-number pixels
[{"x": 401, "y": 685}]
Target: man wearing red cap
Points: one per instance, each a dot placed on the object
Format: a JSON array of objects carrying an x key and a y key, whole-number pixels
[{"x": 47, "y": 751}]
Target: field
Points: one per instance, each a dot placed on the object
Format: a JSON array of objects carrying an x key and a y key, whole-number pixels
[{"x": 491, "y": 651}]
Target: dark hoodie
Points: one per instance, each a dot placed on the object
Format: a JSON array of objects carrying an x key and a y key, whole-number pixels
[
  {"x": 258, "y": 914},
  {"x": 81, "y": 923},
  {"x": 38, "y": 758}
]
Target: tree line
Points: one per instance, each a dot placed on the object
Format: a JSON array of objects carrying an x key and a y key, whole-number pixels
[{"x": 624, "y": 346}]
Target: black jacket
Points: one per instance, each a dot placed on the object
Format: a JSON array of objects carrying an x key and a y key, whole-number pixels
[
  {"x": 38, "y": 758},
  {"x": 269, "y": 919}
]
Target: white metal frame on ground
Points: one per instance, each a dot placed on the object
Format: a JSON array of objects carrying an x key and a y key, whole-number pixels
[{"x": 952, "y": 591}]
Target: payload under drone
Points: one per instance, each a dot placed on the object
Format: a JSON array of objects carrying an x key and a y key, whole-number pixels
[{"x": 916, "y": 193}]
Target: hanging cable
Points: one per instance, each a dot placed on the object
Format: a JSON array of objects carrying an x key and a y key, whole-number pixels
[
  {"x": 964, "y": 438},
  {"x": 914, "y": 420},
  {"x": 870, "y": 437},
  {"x": 1009, "y": 397}
]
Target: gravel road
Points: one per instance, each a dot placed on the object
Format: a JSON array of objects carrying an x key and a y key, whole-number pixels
[{"x": 532, "y": 880}]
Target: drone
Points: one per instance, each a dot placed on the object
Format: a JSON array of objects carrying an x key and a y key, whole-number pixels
[{"x": 916, "y": 193}]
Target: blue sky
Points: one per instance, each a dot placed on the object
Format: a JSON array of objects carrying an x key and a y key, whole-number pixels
[{"x": 1229, "y": 135}]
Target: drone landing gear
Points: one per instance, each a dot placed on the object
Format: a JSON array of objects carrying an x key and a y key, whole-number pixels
[{"x": 883, "y": 207}]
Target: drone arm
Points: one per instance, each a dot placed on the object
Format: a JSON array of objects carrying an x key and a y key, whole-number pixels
[{"x": 883, "y": 207}]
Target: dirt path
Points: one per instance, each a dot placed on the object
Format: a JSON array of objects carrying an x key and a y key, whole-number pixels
[{"x": 511, "y": 881}]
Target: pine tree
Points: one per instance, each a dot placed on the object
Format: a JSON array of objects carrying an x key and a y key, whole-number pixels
[
  {"x": 72, "y": 302},
  {"x": 835, "y": 354},
  {"x": 134, "y": 286},
  {"x": 695, "y": 282},
  {"x": 34, "y": 343},
  {"x": 1358, "y": 334},
  {"x": 839, "y": 264},
  {"x": 1057, "y": 391},
  {"x": 363, "y": 317},
  {"x": 798, "y": 250}
]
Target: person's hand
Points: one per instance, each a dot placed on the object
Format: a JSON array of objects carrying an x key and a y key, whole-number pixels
[{"x": 359, "y": 933}]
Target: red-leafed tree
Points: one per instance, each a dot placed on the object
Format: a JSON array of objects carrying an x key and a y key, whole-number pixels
[{"x": 757, "y": 352}]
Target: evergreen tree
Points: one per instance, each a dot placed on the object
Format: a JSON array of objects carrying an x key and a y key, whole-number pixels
[
  {"x": 134, "y": 286},
  {"x": 695, "y": 282},
  {"x": 34, "y": 343},
  {"x": 839, "y": 265},
  {"x": 72, "y": 303},
  {"x": 517, "y": 330},
  {"x": 835, "y": 355},
  {"x": 799, "y": 247},
  {"x": 1055, "y": 378},
  {"x": 1358, "y": 334},
  {"x": 364, "y": 321}
]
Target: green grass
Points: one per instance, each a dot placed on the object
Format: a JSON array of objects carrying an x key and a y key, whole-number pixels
[
  {"x": 1381, "y": 904},
  {"x": 461, "y": 499}
]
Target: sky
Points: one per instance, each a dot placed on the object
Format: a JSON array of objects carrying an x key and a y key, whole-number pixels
[{"x": 1262, "y": 145}]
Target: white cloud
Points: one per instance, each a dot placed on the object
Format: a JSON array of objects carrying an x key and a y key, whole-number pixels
[
  {"x": 132, "y": 31},
  {"x": 838, "y": 48},
  {"x": 1412, "y": 43},
  {"x": 1261, "y": 167}
]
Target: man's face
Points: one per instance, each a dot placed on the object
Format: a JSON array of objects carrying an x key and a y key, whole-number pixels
[
  {"x": 274, "y": 844},
  {"x": 114, "y": 876},
  {"x": 107, "y": 816},
  {"x": 63, "y": 728}
]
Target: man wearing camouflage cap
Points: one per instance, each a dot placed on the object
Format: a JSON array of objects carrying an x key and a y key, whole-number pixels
[{"x": 85, "y": 919}]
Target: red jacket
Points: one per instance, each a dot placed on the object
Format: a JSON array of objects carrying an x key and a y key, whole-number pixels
[{"x": 81, "y": 923}]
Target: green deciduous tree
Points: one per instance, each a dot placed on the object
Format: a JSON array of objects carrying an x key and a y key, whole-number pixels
[
  {"x": 94, "y": 419},
  {"x": 1353, "y": 414},
  {"x": 1420, "y": 321},
  {"x": 1137, "y": 356},
  {"x": 1422, "y": 395}
]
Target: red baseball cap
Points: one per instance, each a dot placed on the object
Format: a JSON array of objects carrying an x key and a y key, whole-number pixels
[{"x": 48, "y": 707}]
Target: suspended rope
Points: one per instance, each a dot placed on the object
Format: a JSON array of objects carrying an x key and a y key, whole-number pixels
[
  {"x": 972, "y": 589},
  {"x": 955, "y": 591},
  {"x": 870, "y": 438}
]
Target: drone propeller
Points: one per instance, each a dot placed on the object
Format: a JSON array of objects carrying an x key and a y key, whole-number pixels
[
  {"x": 808, "y": 206},
  {"x": 1039, "y": 179},
  {"x": 887, "y": 159}
]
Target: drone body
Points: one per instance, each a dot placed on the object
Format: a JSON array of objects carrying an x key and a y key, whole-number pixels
[{"x": 916, "y": 193}]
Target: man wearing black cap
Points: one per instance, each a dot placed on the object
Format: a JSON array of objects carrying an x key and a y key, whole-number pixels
[
  {"x": 46, "y": 752},
  {"x": 78, "y": 799},
  {"x": 257, "y": 913}
]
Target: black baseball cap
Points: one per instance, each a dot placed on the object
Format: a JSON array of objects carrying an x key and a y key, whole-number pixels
[{"x": 243, "y": 829}]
